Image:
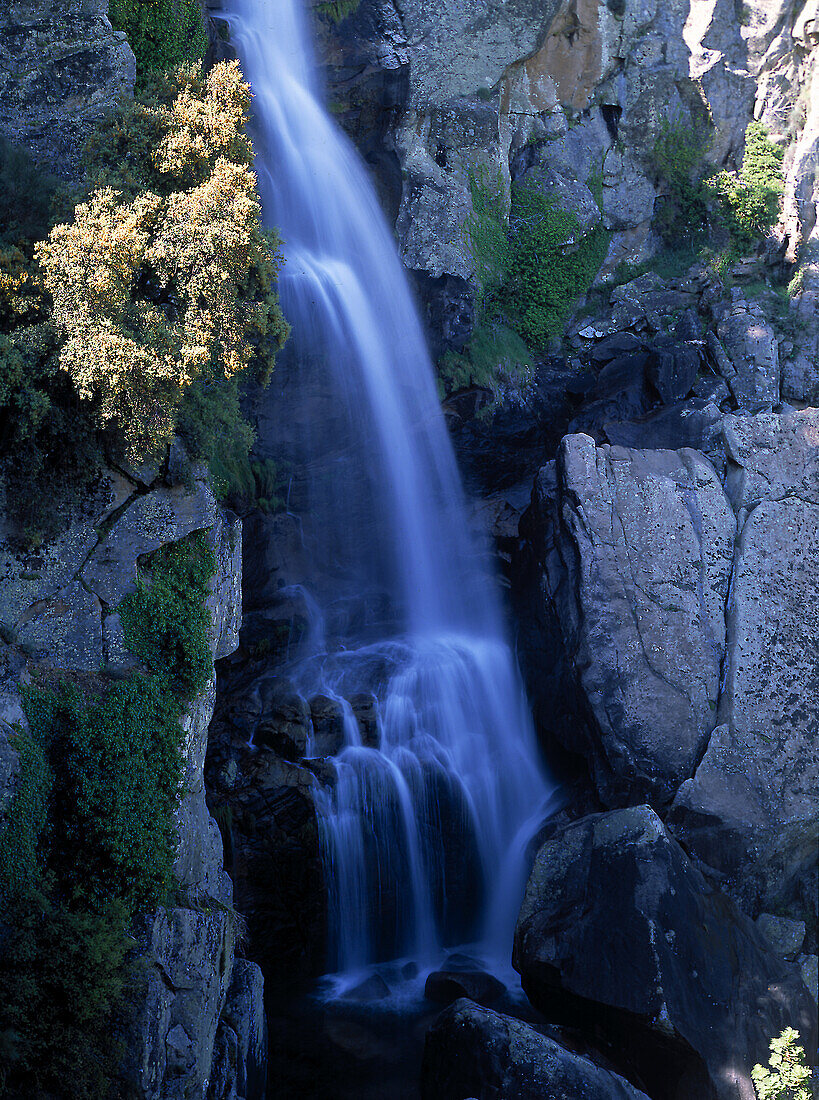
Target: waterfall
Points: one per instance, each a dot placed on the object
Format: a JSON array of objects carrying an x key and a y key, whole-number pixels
[{"x": 424, "y": 814}]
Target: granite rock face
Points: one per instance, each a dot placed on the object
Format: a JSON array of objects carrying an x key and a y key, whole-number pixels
[
  {"x": 473, "y": 1051},
  {"x": 637, "y": 559},
  {"x": 674, "y": 623},
  {"x": 61, "y": 68},
  {"x": 691, "y": 991}
]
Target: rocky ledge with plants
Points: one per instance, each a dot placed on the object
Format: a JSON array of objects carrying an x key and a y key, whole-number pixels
[{"x": 137, "y": 291}]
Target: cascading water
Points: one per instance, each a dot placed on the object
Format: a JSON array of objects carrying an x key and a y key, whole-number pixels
[{"x": 426, "y": 808}]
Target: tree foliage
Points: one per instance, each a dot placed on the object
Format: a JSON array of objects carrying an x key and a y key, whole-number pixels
[
  {"x": 787, "y": 1076},
  {"x": 165, "y": 277}
]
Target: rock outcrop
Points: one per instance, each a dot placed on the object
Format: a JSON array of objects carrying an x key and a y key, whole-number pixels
[
  {"x": 636, "y": 552},
  {"x": 473, "y": 1052},
  {"x": 673, "y": 641},
  {"x": 619, "y": 932},
  {"x": 61, "y": 68}
]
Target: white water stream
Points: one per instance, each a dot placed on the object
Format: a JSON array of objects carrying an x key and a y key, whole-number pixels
[{"x": 424, "y": 835}]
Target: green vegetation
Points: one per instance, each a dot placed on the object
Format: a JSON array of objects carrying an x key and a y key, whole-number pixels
[
  {"x": 531, "y": 271},
  {"x": 699, "y": 203},
  {"x": 135, "y": 318},
  {"x": 749, "y": 201},
  {"x": 90, "y": 838},
  {"x": 162, "y": 33},
  {"x": 787, "y": 1076},
  {"x": 338, "y": 9},
  {"x": 679, "y": 162},
  {"x": 547, "y": 272}
]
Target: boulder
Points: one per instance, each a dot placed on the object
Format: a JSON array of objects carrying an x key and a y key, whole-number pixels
[
  {"x": 771, "y": 456},
  {"x": 65, "y": 630},
  {"x": 785, "y": 936},
  {"x": 186, "y": 974},
  {"x": 619, "y": 932},
  {"x": 150, "y": 521},
  {"x": 750, "y": 344},
  {"x": 61, "y": 68},
  {"x": 365, "y": 709},
  {"x": 694, "y": 423},
  {"x": 635, "y": 551},
  {"x": 471, "y": 1051},
  {"x": 800, "y": 371},
  {"x": 673, "y": 370},
  {"x": 447, "y": 985},
  {"x": 620, "y": 393}
]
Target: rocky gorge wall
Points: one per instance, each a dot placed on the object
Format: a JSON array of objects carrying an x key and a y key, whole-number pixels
[
  {"x": 663, "y": 575},
  {"x": 199, "y": 1028}
]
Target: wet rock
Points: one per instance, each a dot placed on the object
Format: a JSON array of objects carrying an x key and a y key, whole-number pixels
[
  {"x": 365, "y": 709},
  {"x": 694, "y": 423},
  {"x": 690, "y": 993},
  {"x": 620, "y": 393},
  {"x": 615, "y": 347},
  {"x": 473, "y": 1052},
  {"x": 284, "y": 726},
  {"x": 447, "y": 985},
  {"x": 373, "y": 988},
  {"x": 327, "y": 717},
  {"x": 239, "y": 1067},
  {"x": 673, "y": 370},
  {"x": 809, "y": 969}
]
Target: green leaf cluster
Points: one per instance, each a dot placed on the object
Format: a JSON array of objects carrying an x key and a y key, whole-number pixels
[
  {"x": 162, "y": 33},
  {"x": 743, "y": 204},
  {"x": 787, "y": 1076},
  {"x": 337, "y": 10},
  {"x": 550, "y": 268}
]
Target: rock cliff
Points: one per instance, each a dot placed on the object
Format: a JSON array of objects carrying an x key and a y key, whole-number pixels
[
  {"x": 61, "y": 68},
  {"x": 200, "y": 1026}
]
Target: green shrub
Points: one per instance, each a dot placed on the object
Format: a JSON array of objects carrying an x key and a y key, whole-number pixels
[
  {"x": 20, "y": 855},
  {"x": 547, "y": 275},
  {"x": 165, "y": 277},
  {"x": 66, "y": 980},
  {"x": 162, "y": 33},
  {"x": 748, "y": 201},
  {"x": 33, "y": 200},
  {"x": 136, "y": 319},
  {"x": 788, "y": 1076},
  {"x": 166, "y": 622},
  {"x": 530, "y": 278}
]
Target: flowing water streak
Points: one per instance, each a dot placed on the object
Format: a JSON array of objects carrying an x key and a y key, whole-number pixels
[{"x": 418, "y": 827}]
